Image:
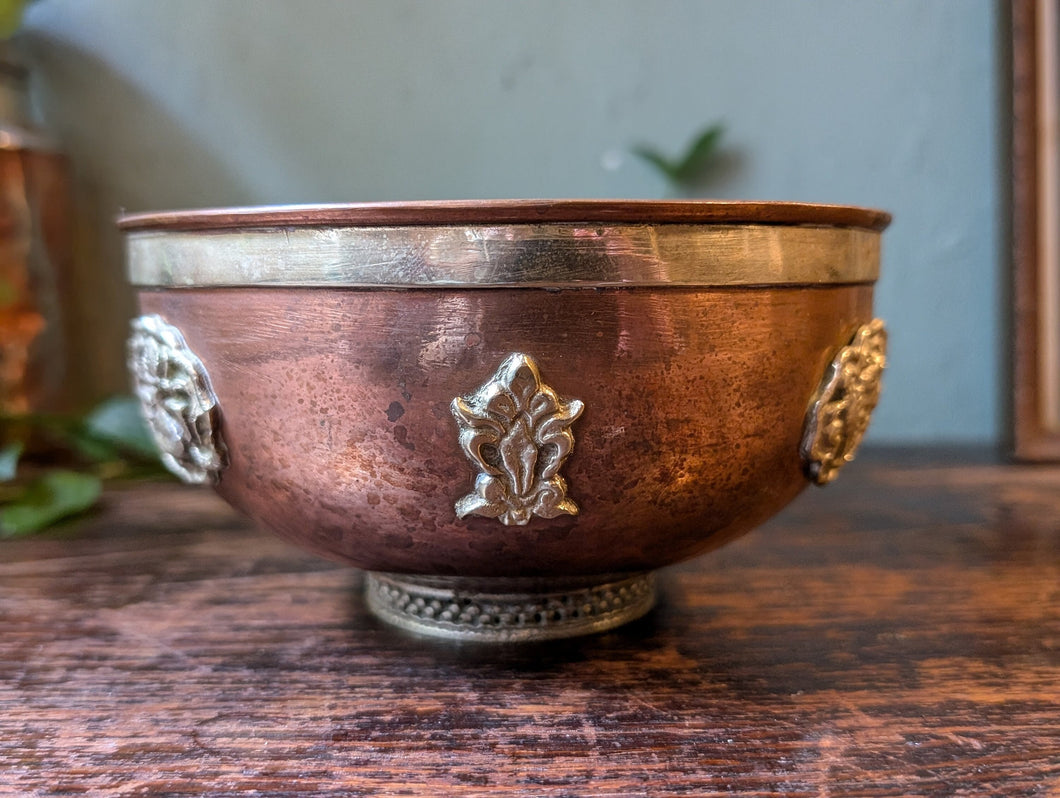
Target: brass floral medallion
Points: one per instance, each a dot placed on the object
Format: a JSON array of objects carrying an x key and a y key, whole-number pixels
[
  {"x": 840, "y": 415},
  {"x": 515, "y": 430},
  {"x": 177, "y": 400}
]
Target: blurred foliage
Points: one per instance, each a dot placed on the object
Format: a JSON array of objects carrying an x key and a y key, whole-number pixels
[
  {"x": 52, "y": 467},
  {"x": 8, "y": 294},
  {"x": 10, "y": 17},
  {"x": 116, "y": 427},
  {"x": 9, "y": 461},
  {"x": 690, "y": 168},
  {"x": 51, "y": 497}
]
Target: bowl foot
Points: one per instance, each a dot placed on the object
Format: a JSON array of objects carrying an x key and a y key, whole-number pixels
[{"x": 502, "y": 610}]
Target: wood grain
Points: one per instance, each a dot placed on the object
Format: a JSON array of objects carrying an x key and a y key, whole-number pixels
[
  {"x": 1035, "y": 436},
  {"x": 895, "y": 634}
]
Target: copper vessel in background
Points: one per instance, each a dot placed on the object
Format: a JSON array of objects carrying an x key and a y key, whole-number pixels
[
  {"x": 34, "y": 252},
  {"x": 510, "y": 413}
]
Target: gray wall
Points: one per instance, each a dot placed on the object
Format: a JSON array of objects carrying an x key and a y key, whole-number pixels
[{"x": 887, "y": 104}]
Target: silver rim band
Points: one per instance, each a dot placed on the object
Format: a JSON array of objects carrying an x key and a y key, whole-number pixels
[{"x": 527, "y": 255}]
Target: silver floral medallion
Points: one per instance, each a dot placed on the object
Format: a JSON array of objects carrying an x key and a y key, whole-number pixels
[
  {"x": 516, "y": 432},
  {"x": 840, "y": 415},
  {"x": 177, "y": 401}
]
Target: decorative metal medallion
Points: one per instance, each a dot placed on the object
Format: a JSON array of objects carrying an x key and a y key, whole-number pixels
[
  {"x": 516, "y": 431},
  {"x": 840, "y": 415},
  {"x": 177, "y": 400},
  {"x": 502, "y": 610}
]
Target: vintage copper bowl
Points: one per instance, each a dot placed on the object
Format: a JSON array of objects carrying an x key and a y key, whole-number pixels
[{"x": 510, "y": 413}]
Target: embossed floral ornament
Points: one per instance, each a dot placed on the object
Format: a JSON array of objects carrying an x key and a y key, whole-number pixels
[
  {"x": 516, "y": 431},
  {"x": 177, "y": 400},
  {"x": 839, "y": 417}
]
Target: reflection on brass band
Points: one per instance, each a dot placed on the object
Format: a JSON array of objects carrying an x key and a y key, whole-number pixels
[
  {"x": 542, "y": 255},
  {"x": 840, "y": 416},
  {"x": 515, "y": 430}
]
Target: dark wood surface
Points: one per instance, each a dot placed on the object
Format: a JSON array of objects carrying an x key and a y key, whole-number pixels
[
  {"x": 572, "y": 211},
  {"x": 896, "y": 634}
]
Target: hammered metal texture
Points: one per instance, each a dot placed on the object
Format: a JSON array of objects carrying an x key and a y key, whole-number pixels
[
  {"x": 338, "y": 404},
  {"x": 177, "y": 400},
  {"x": 516, "y": 432},
  {"x": 840, "y": 415},
  {"x": 503, "y": 610}
]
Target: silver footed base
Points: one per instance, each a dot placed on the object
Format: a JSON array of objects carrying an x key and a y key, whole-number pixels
[{"x": 503, "y": 610}]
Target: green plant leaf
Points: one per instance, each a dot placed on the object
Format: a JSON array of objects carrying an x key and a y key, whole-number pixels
[
  {"x": 56, "y": 495},
  {"x": 119, "y": 423},
  {"x": 9, "y": 461},
  {"x": 656, "y": 159},
  {"x": 8, "y": 294},
  {"x": 10, "y": 16},
  {"x": 689, "y": 168},
  {"x": 89, "y": 447},
  {"x": 699, "y": 155},
  {"x": 61, "y": 431}
]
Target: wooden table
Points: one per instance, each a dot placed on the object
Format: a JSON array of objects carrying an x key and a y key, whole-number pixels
[{"x": 895, "y": 634}]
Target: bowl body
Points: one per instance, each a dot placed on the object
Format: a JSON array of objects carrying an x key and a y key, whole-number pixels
[{"x": 508, "y": 390}]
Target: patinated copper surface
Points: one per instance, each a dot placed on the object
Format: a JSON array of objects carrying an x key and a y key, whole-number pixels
[
  {"x": 335, "y": 408},
  {"x": 511, "y": 412}
]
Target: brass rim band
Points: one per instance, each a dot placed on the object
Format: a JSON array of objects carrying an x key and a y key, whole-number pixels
[{"x": 518, "y": 255}]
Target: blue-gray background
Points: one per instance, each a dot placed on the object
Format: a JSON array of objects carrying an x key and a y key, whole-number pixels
[{"x": 890, "y": 104}]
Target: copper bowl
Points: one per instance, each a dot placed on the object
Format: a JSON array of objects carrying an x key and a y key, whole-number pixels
[{"x": 509, "y": 413}]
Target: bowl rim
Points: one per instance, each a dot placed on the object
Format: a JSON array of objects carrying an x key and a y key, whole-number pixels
[
  {"x": 552, "y": 255},
  {"x": 509, "y": 211}
]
